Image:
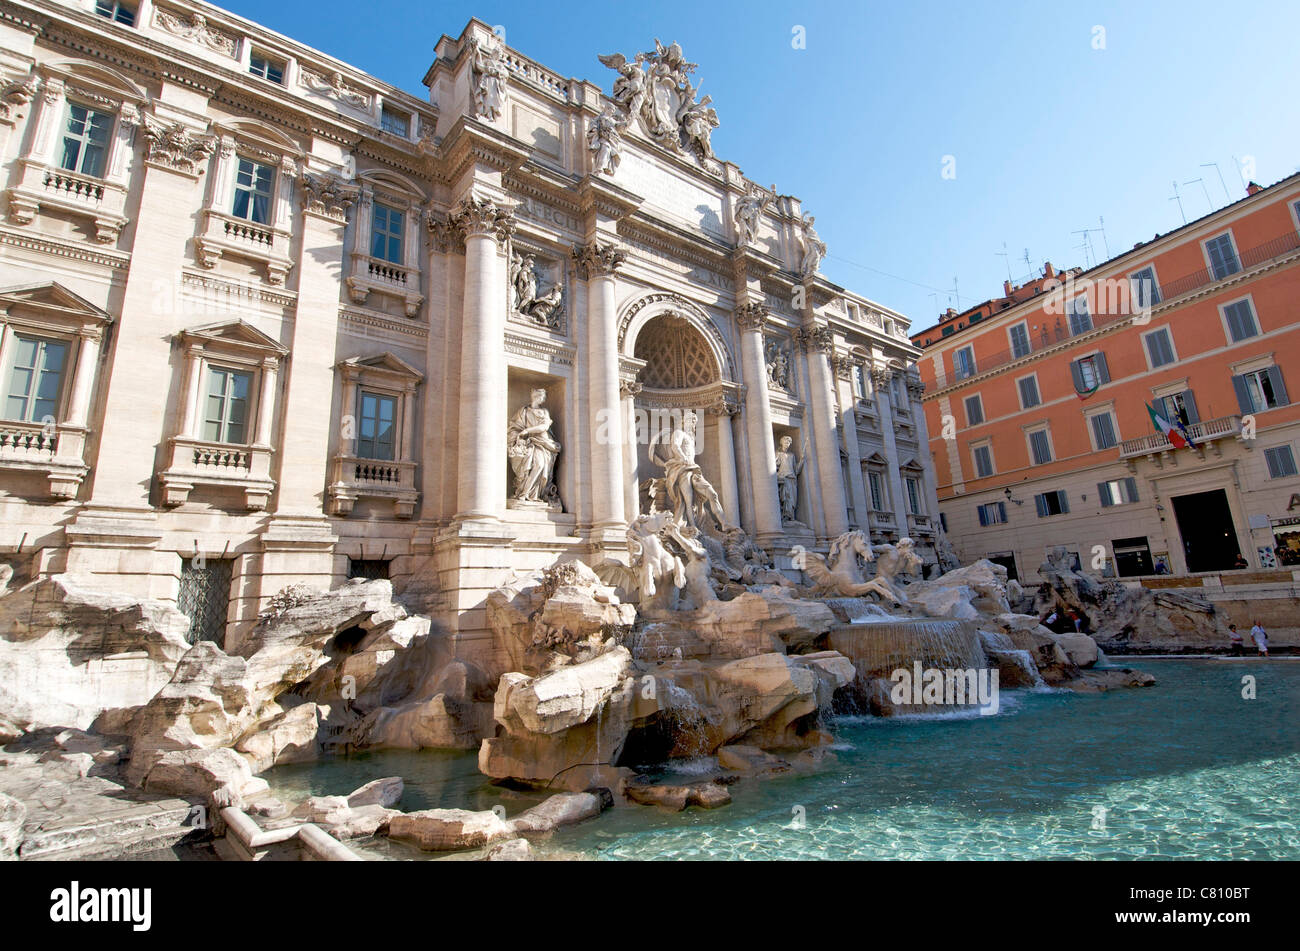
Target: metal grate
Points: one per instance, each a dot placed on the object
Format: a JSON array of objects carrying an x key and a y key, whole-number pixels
[
  {"x": 205, "y": 597},
  {"x": 368, "y": 568}
]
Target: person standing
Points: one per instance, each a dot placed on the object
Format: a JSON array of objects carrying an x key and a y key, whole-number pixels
[
  {"x": 1234, "y": 636},
  {"x": 1261, "y": 638}
]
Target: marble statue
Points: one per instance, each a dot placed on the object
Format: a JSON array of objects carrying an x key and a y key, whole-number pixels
[
  {"x": 778, "y": 367},
  {"x": 605, "y": 140},
  {"x": 667, "y": 561},
  {"x": 814, "y": 249},
  {"x": 655, "y": 89},
  {"x": 532, "y": 451},
  {"x": 838, "y": 573},
  {"x": 528, "y": 302},
  {"x": 490, "y": 76},
  {"x": 683, "y": 479},
  {"x": 788, "y": 467},
  {"x": 749, "y": 211}
]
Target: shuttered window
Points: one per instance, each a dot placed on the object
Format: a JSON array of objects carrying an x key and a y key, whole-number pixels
[
  {"x": 1103, "y": 430},
  {"x": 1117, "y": 491},
  {"x": 1040, "y": 448},
  {"x": 1019, "y": 341},
  {"x": 1241, "y": 321},
  {"x": 1259, "y": 390},
  {"x": 974, "y": 410},
  {"x": 1160, "y": 349},
  {"x": 1028, "y": 392},
  {"x": 993, "y": 513},
  {"x": 1051, "y": 503},
  {"x": 1281, "y": 462},
  {"x": 1223, "y": 259}
]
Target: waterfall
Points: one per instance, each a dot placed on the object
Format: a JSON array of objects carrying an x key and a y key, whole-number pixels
[
  {"x": 690, "y": 720},
  {"x": 879, "y": 647}
]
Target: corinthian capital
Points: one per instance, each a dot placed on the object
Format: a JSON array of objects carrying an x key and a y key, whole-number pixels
[
  {"x": 597, "y": 258},
  {"x": 816, "y": 339},
  {"x": 751, "y": 315},
  {"x": 482, "y": 216},
  {"x": 327, "y": 194},
  {"x": 177, "y": 147}
]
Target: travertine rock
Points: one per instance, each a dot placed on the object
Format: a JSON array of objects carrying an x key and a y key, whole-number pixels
[
  {"x": 676, "y": 798},
  {"x": 1080, "y": 648},
  {"x": 1099, "y": 681},
  {"x": 68, "y": 652},
  {"x": 555, "y": 702},
  {"x": 742, "y": 758},
  {"x": 446, "y": 830},
  {"x": 12, "y": 816},
  {"x": 511, "y": 850},
  {"x": 203, "y": 773},
  {"x": 562, "y": 809},
  {"x": 385, "y": 792}
]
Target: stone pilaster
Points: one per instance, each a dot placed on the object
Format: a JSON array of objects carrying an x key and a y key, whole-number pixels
[
  {"x": 880, "y": 380},
  {"x": 751, "y": 318},
  {"x": 597, "y": 263},
  {"x": 857, "y": 491}
]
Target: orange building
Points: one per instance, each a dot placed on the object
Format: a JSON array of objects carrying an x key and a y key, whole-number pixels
[{"x": 1037, "y": 408}]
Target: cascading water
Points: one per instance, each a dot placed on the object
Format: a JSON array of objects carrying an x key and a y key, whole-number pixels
[{"x": 880, "y": 647}]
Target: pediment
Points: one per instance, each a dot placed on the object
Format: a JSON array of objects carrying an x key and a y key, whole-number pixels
[
  {"x": 876, "y": 459},
  {"x": 52, "y": 299},
  {"x": 911, "y": 465},
  {"x": 386, "y": 363},
  {"x": 237, "y": 333}
]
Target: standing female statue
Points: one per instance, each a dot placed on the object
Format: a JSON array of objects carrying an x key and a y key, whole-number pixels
[{"x": 532, "y": 449}]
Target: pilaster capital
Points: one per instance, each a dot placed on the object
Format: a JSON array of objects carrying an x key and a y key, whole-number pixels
[
  {"x": 482, "y": 216},
  {"x": 628, "y": 388},
  {"x": 598, "y": 258},
  {"x": 816, "y": 339},
  {"x": 177, "y": 147},
  {"x": 327, "y": 194},
  {"x": 751, "y": 315}
]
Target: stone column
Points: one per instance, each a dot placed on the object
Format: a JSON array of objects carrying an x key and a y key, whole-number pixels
[
  {"x": 751, "y": 318},
  {"x": 915, "y": 389},
  {"x": 818, "y": 342},
  {"x": 481, "y": 474},
  {"x": 87, "y": 361},
  {"x": 266, "y": 401},
  {"x": 349, "y": 408},
  {"x": 629, "y": 389},
  {"x": 598, "y": 261},
  {"x": 724, "y": 409},
  {"x": 193, "y": 392},
  {"x": 880, "y": 377}
]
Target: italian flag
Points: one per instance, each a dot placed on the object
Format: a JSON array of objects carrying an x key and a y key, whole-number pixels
[{"x": 1173, "y": 432}]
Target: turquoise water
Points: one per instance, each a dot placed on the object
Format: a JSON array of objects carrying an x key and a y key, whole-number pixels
[{"x": 1185, "y": 769}]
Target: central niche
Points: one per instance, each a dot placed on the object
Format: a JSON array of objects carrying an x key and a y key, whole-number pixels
[{"x": 676, "y": 355}]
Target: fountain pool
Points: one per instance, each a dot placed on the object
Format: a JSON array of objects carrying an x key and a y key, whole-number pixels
[{"x": 1186, "y": 769}]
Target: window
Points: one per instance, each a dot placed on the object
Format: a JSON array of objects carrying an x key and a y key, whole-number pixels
[
  {"x": 1103, "y": 430},
  {"x": 963, "y": 362},
  {"x": 913, "y": 495},
  {"x": 1080, "y": 318},
  {"x": 974, "y": 410},
  {"x": 368, "y": 568},
  {"x": 1028, "y": 387},
  {"x": 1160, "y": 348},
  {"x": 1019, "y": 335},
  {"x": 35, "y": 379},
  {"x": 1145, "y": 292},
  {"x": 375, "y": 430},
  {"x": 1040, "y": 447},
  {"x": 85, "y": 140},
  {"x": 253, "y": 191},
  {"x": 860, "y": 382},
  {"x": 943, "y": 521},
  {"x": 1180, "y": 406},
  {"x": 1051, "y": 503},
  {"x": 1240, "y": 320},
  {"x": 398, "y": 123},
  {"x": 123, "y": 13},
  {"x": 226, "y": 420},
  {"x": 1089, "y": 372},
  {"x": 877, "y": 487},
  {"x": 1259, "y": 390},
  {"x": 259, "y": 64},
  {"x": 947, "y": 331},
  {"x": 1281, "y": 462},
  {"x": 983, "y": 456},
  {"x": 1117, "y": 491},
  {"x": 386, "y": 234},
  {"x": 992, "y": 513},
  {"x": 1223, "y": 257}
]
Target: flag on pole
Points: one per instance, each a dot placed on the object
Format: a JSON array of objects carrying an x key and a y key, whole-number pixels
[{"x": 1175, "y": 433}]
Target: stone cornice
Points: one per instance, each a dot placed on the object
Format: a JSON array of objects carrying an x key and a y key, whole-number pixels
[{"x": 470, "y": 142}]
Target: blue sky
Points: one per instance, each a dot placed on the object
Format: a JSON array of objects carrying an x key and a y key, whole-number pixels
[{"x": 1048, "y": 133}]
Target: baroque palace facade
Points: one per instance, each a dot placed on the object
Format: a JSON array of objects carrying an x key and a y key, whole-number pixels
[{"x": 269, "y": 321}]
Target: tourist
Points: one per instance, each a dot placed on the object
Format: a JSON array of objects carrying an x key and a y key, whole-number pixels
[
  {"x": 1234, "y": 636},
  {"x": 1161, "y": 567},
  {"x": 1076, "y": 620},
  {"x": 1261, "y": 638},
  {"x": 1240, "y": 561}
]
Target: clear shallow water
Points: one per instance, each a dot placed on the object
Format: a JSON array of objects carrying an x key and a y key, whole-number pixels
[{"x": 1185, "y": 769}]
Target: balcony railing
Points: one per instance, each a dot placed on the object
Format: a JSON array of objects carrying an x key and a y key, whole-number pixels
[
  {"x": 356, "y": 478},
  {"x": 1046, "y": 338},
  {"x": 225, "y": 234},
  {"x": 198, "y": 462},
  {"x": 18, "y": 441},
  {"x": 41, "y": 185},
  {"x": 55, "y": 452},
  {"x": 1207, "y": 431}
]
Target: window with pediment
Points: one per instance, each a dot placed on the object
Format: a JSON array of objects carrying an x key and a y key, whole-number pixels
[
  {"x": 375, "y": 460},
  {"x": 386, "y": 243}
]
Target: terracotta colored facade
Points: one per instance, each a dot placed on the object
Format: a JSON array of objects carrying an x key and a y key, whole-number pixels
[{"x": 1037, "y": 411}]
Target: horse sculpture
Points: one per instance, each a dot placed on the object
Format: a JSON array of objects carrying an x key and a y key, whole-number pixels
[{"x": 839, "y": 574}]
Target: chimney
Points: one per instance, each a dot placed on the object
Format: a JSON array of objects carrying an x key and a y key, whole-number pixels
[
  {"x": 949, "y": 314},
  {"x": 1048, "y": 270},
  {"x": 1007, "y": 288},
  {"x": 1252, "y": 188}
]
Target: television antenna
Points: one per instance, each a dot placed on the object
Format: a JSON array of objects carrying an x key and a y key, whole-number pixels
[
  {"x": 1215, "y": 165},
  {"x": 1086, "y": 245},
  {"x": 1006, "y": 259},
  {"x": 1201, "y": 181},
  {"x": 1105, "y": 244},
  {"x": 1179, "y": 199}
]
